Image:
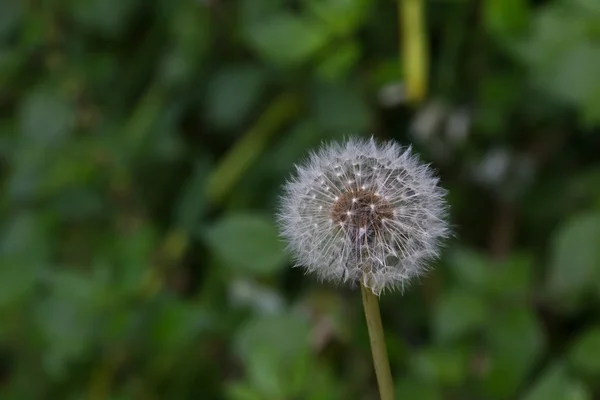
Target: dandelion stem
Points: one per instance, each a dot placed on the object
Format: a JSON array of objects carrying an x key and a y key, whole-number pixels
[{"x": 380, "y": 357}]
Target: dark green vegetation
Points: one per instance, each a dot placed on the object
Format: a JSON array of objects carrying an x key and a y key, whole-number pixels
[{"x": 142, "y": 147}]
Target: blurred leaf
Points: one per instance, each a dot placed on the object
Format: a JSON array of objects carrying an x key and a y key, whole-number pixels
[
  {"x": 10, "y": 13},
  {"x": 232, "y": 94},
  {"x": 66, "y": 318},
  {"x": 585, "y": 354},
  {"x": 588, "y": 6},
  {"x": 261, "y": 298},
  {"x": 246, "y": 242},
  {"x": 571, "y": 77},
  {"x": 40, "y": 172},
  {"x": 413, "y": 389},
  {"x": 275, "y": 350},
  {"x": 457, "y": 313},
  {"x": 287, "y": 39},
  {"x": 177, "y": 325},
  {"x": 22, "y": 251},
  {"x": 78, "y": 204},
  {"x": 275, "y": 165},
  {"x": 471, "y": 268},
  {"x": 190, "y": 31},
  {"x": 516, "y": 342},
  {"x": 24, "y": 238},
  {"x": 132, "y": 257},
  {"x": 513, "y": 278},
  {"x": 556, "y": 384},
  {"x": 340, "y": 62},
  {"x": 11, "y": 62},
  {"x": 108, "y": 17},
  {"x": 293, "y": 147},
  {"x": 191, "y": 204},
  {"x": 340, "y": 108},
  {"x": 46, "y": 117},
  {"x": 386, "y": 72},
  {"x": 239, "y": 391},
  {"x": 498, "y": 96},
  {"x": 506, "y": 18},
  {"x": 190, "y": 34},
  {"x": 253, "y": 12},
  {"x": 286, "y": 334},
  {"x": 575, "y": 256},
  {"x": 443, "y": 365},
  {"x": 341, "y": 16},
  {"x": 563, "y": 56},
  {"x": 251, "y": 146}
]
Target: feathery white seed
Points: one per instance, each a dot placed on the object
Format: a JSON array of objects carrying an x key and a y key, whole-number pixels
[{"x": 382, "y": 233}]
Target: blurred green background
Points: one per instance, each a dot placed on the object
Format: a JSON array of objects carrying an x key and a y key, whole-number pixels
[{"x": 143, "y": 144}]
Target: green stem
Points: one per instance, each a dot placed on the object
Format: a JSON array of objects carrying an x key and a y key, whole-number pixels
[
  {"x": 380, "y": 357},
  {"x": 414, "y": 50}
]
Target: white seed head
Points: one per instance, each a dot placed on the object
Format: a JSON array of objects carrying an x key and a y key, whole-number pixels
[{"x": 365, "y": 212}]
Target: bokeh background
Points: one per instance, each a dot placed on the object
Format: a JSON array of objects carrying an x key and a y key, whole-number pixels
[{"x": 143, "y": 144}]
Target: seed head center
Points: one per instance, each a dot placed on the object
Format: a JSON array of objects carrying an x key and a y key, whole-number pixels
[{"x": 361, "y": 209}]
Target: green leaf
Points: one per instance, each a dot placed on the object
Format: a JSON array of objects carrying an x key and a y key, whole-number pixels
[
  {"x": 556, "y": 384},
  {"x": 233, "y": 93},
  {"x": 191, "y": 204},
  {"x": 413, "y": 389},
  {"x": 253, "y": 12},
  {"x": 575, "y": 256},
  {"x": 10, "y": 13},
  {"x": 24, "y": 248},
  {"x": 46, "y": 117},
  {"x": 342, "y": 17},
  {"x": 585, "y": 354},
  {"x": 246, "y": 242},
  {"x": 572, "y": 76},
  {"x": 285, "y": 334},
  {"x": 286, "y": 39},
  {"x": 513, "y": 277},
  {"x": 275, "y": 351},
  {"x": 471, "y": 268},
  {"x": 443, "y": 365},
  {"x": 498, "y": 96},
  {"x": 563, "y": 57},
  {"x": 506, "y": 18},
  {"x": 338, "y": 64},
  {"x": 240, "y": 391},
  {"x": 516, "y": 342},
  {"x": 108, "y": 17},
  {"x": 67, "y": 318},
  {"x": 457, "y": 313},
  {"x": 340, "y": 108},
  {"x": 176, "y": 325}
]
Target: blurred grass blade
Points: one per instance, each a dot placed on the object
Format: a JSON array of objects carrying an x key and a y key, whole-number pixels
[
  {"x": 414, "y": 49},
  {"x": 249, "y": 147}
]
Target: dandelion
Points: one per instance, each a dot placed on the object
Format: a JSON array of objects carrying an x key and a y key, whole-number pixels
[{"x": 365, "y": 213}]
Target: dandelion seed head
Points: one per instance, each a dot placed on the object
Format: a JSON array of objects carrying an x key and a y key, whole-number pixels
[{"x": 361, "y": 211}]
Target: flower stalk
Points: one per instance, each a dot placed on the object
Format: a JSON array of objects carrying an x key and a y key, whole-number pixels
[{"x": 378, "y": 347}]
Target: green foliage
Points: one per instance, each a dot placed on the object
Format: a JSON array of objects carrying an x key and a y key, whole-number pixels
[
  {"x": 584, "y": 354},
  {"x": 516, "y": 343},
  {"x": 246, "y": 242},
  {"x": 555, "y": 383},
  {"x": 458, "y": 313},
  {"x": 412, "y": 389},
  {"x": 575, "y": 263},
  {"x": 562, "y": 50},
  {"x": 143, "y": 145}
]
